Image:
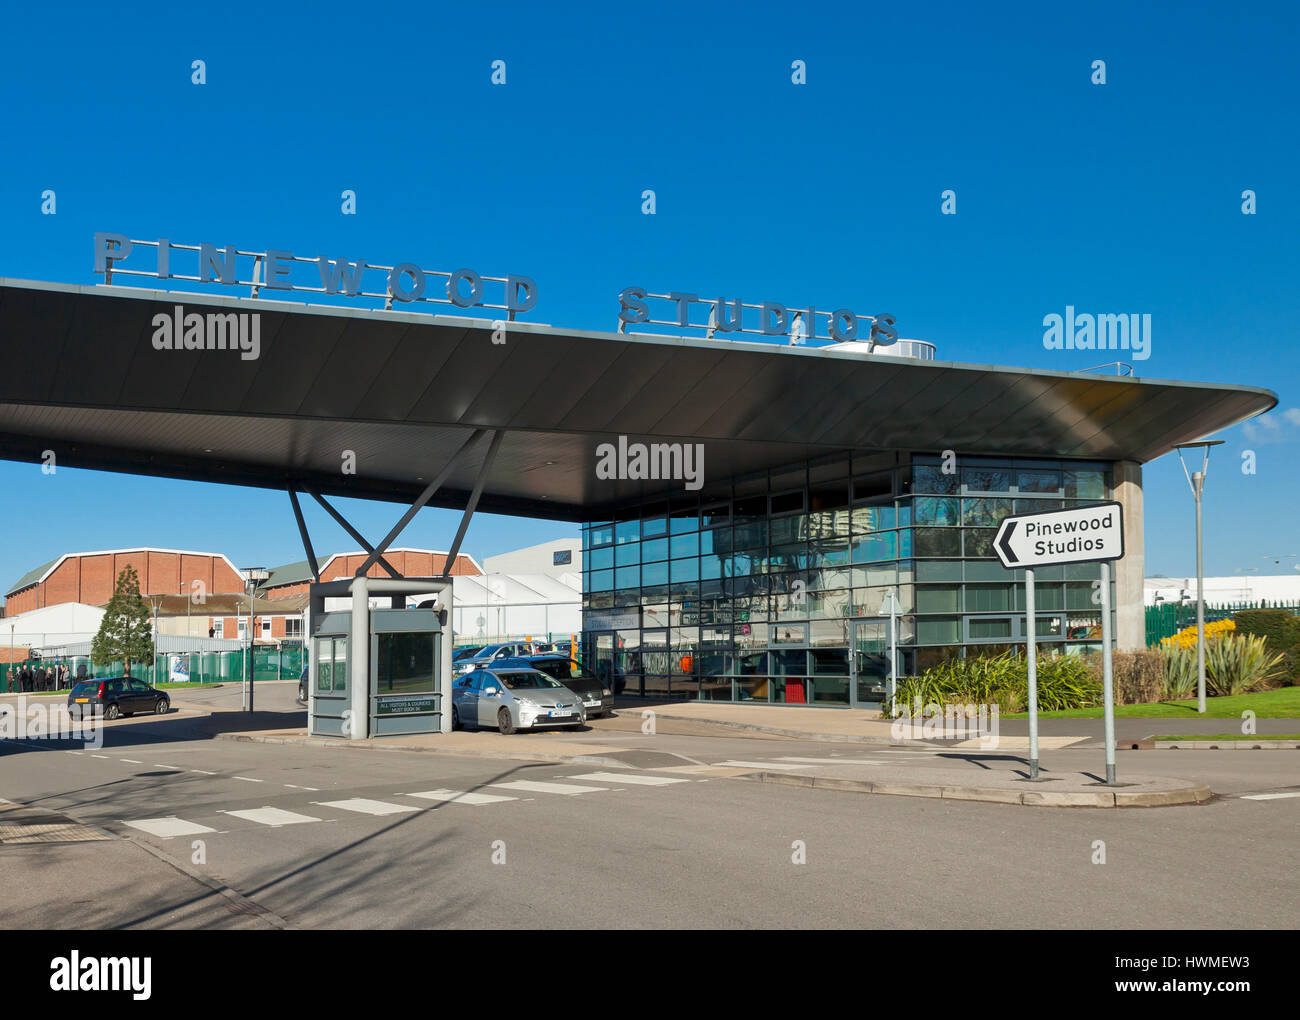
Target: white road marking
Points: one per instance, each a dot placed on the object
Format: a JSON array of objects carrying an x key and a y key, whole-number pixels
[
  {"x": 168, "y": 827},
  {"x": 1270, "y": 796},
  {"x": 202, "y": 772},
  {"x": 131, "y": 761},
  {"x": 457, "y": 797},
  {"x": 104, "y": 756},
  {"x": 635, "y": 780},
  {"x": 311, "y": 788},
  {"x": 246, "y": 779},
  {"x": 272, "y": 816},
  {"x": 836, "y": 761},
  {"x": 75, "y": 752},
  {"x": 366, "y": 807},
  {"x": 755, "y": 765},
  {"x": 568, "y": 789}
]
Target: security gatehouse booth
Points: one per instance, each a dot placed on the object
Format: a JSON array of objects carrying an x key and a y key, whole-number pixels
[{"x": 377, "y": 671}]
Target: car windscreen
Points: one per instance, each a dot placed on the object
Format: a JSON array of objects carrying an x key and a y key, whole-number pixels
[
  {"x": 465, "y": 653},
  {"x": 562, "y": 669},
  {"x": 86, "y": 687},
  {"x": 528, "y": 681}
]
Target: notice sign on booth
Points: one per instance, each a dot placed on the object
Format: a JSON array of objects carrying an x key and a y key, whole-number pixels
[
  {"x": 179, "y": 671},
  {"x": 1086, "y": 534}
]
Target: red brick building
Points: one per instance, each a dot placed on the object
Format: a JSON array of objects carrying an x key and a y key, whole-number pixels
[
  {"x": 293, "y": 578},
  {"x": 89, "y": 577}
]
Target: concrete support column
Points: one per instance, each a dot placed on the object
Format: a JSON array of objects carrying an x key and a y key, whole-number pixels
[
  {"x": 359, "y": 659},
  {"x": 1130, "y": 616}
]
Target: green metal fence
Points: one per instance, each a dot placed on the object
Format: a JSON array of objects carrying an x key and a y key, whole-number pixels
[
  {"x": 269, "y": 663},
  {"x": 1168, "y": 618}
]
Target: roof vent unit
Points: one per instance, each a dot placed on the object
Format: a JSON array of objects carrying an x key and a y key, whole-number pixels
[{"x": 920, "y": 350}]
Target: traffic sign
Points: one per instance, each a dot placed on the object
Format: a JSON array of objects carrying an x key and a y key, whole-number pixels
[{"x": 1085, "y": 534}]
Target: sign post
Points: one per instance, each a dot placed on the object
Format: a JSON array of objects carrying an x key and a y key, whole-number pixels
[{"x": 1086, "y": 534}]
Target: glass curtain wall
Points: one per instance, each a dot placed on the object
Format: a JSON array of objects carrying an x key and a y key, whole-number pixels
[{"x": 746, "y": 592}]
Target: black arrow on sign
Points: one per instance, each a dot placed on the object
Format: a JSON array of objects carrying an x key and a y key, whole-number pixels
[{"x": 1004, "y": 542}]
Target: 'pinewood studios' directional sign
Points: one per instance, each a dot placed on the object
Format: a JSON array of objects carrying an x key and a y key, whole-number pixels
[{"x": 1084, "y": 534}]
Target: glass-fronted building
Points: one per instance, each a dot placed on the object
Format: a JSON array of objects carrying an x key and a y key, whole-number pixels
[{"x": 770, "y": 587}]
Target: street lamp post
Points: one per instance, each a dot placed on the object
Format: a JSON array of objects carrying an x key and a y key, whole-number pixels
[
  {"x": 1197, "y": 482},
  {"x": 893, "y": 646},
  {"x": 253, "y": 576}
]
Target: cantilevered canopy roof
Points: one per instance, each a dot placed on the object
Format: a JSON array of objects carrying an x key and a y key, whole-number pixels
[{"x": 404, "y": 391}]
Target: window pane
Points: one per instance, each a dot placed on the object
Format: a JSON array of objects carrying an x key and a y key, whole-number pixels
[
  {"x": 938, "y": 599},
  {"x": 980, "y": 479},
  {"x": 988, "y": 598},
  {"x": 937, "y": 630},
  {"x": 1085, "y": 484},
  {"x": 1038, "y": 481},
  {"x": 936, "y": 510},
  {"x": 685, "y": 545},
  {"x": 627, "y": 531},
  {"x": 979, "y": 541},
  {"x": 602, "y": 559},
  {"x": 627, "y": 555},
  {"x": 985, "y": 513},
  {"x": 870, "y": 548},
  {"x": 627, "y": 577},
  {"x": 936, "y": 541},
  {"x": 685, "y": 570},
  {"x": 654, "y": 573},
  {"x": 995, "y": 628},
  {"x": 930, "y": 478}
]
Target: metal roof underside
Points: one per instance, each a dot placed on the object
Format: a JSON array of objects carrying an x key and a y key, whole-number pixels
[{"x": 404, "y": 391}]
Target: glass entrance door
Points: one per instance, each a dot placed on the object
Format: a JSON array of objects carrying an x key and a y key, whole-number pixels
[{"x": 868, "y": 661}]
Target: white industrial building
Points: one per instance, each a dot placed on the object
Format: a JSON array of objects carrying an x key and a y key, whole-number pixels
[
  {"x": 1271, "y": 588},
  {"x": 556, "y": 559}
]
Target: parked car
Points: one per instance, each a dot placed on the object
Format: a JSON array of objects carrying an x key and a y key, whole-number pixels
[
  {"x": 597, "y": 699},
  {"x": 513, "y": 699},
  {"x": 302, "y": 685},
  {"x": 489, "y": 654},
  {"x": 465, "y": 652},
  {"x": 116, "y": 696}
]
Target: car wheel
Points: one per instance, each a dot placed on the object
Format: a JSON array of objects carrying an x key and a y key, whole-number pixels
[
  {"x": 455, "y": 718},
  {"x": 162, "y": 706},
  {"x": 112, "y": 712},
  {"x": 504, "y": 723}
]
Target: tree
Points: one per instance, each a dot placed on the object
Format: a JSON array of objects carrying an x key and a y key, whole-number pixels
[{"x": 124, "y": 632}]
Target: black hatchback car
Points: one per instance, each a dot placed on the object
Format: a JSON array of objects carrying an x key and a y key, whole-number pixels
[
  {"x": 596, "y": 697},
  {"x": 116, "y": 696}
]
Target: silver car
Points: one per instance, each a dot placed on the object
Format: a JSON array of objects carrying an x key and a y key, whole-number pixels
[{"x": 512, "y": 700}]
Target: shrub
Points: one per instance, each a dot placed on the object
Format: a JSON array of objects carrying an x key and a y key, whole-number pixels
[
  {"x": 1064, "y": 681},
  {"x": 1186, "y": 637},
  {"x": 1178, "y": 667},
  {"x": 1280, "y": 629},
  {"x": 1237, "y": 664},
  {"x": 1138, "y": 676}
]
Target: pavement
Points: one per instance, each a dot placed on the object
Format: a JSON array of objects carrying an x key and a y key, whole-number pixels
[
  {"x": 683, "y": 826},
  {"x": 956, "y": 769}
]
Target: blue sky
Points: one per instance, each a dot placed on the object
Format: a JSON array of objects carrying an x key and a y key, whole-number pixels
[{"x": 1123, "y": 197}]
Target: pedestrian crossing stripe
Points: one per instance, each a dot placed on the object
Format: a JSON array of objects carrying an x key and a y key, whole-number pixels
[
  {"x": 457, "y": 797},
  {"x": 168, "y": 827},
  {"x": 567, "y": 789},
  {"x": 633, "y": 779},
  {"x": 365, "y": 806},
  {"x": 271, "y": 816}
]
